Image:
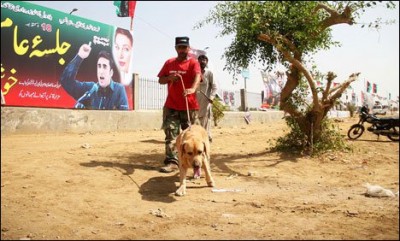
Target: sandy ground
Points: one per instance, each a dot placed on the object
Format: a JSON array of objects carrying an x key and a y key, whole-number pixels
[{"x": 107, "y": 186}]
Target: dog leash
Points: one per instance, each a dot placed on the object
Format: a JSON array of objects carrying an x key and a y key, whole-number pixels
[{"x": 187, "y": 103}]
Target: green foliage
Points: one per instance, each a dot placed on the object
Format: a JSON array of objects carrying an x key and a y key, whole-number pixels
[
  {"x": 296, "y": 141},
  {"x": 300, "y": 22},
  {"x": 351, "y": 108},
  {"x": 217, "y": 110},
  {"x": 290, "y": 33},
  {"x": 331, "y": 139},
  {"x": 293, "y": 142},
  {"x": 247, "y": 19}
]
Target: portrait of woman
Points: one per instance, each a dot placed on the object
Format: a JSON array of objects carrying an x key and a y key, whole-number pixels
[{"x": 122, "y": 51}]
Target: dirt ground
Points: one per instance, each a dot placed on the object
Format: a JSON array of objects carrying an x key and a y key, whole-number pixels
[{"x": 107, "y": 186}]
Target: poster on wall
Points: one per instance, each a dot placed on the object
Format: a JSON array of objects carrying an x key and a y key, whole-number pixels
[
  {"x": 57, "y": 60},
  {"x": 228, "y": 98}
]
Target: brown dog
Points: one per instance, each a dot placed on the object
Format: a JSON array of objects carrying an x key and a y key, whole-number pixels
[{"x": 193, "y": 151}]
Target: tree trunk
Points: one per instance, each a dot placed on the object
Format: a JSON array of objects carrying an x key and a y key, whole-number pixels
[
  {"x": 311, "y": 126},
  {"x": 310, "y": 120}
]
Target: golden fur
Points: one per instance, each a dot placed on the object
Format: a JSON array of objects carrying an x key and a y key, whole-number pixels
[{"x": 193, "y": 152}]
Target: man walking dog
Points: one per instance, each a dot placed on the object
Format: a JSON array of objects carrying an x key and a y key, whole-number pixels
[{"x": 182, "y": 74}]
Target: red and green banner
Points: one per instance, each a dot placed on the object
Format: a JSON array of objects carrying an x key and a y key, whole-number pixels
[
  {"x": 38, "y": 43},
  {"x": 125, "y": 8}
]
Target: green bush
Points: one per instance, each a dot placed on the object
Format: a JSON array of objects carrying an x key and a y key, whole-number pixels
[
  {"x": 352, "y": 108},
  {"x": 296, "y": 141},
  {"x": 217, "y": 110}
]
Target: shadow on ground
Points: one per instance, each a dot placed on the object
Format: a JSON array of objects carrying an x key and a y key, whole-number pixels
[{"x": 161, "y": 188}]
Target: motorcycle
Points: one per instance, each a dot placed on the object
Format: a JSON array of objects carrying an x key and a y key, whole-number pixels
[{"x": 388, "y": 127}]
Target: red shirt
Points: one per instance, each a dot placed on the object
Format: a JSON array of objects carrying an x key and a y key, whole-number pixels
[{"x": 188, "y": 70}]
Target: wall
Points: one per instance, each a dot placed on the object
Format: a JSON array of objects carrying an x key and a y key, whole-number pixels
[
  {"x": 34, "y": 120},
  {"x": 48, "y": 120}
]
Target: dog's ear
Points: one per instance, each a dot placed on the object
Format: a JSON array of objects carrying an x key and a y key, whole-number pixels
[{"x": 183, "y": 147}]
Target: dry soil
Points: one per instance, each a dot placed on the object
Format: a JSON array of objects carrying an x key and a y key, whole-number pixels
[{"x": 107, "y": 186}]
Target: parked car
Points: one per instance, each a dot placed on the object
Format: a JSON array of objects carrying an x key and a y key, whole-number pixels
[{"x": 379, "y": 109}]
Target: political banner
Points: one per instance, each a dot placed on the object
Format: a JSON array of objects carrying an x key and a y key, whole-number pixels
[
  {"x": 53, "y": 59},
  {"x": 195, "y": 53},
  {"x": 273, "y": 85}
]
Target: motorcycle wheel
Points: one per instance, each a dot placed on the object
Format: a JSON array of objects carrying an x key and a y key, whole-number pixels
[
  {"x": 355, "y": 131},
  {"x": 395, "y": 136}
]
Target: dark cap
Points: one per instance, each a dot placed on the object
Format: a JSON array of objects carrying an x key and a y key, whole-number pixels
[
  {"x": 202, "y": 56},
  {"x": 184, "y": 41}
]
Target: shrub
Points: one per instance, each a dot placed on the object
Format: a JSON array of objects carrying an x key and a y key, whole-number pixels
[
  {"x": 296, "y": 141},
  {"x": 217, "y": 110},
  {"x": 352, "y": 108}
]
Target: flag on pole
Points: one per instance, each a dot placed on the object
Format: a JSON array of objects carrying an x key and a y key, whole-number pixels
[
  {"x": 374, "y": 88},
  {"x": 368, "y": 87},
  {"x": 125, "y": 9}
]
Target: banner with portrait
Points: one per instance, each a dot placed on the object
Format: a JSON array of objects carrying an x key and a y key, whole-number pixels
[
  {"x": 273, "y": 85},
  {"x": 195, "y": 53},
  {"x": 228, "y": 98},
  {"x": 37, "y": 45}
]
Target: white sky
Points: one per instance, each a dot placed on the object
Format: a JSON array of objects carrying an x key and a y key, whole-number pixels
[{"x": 157, "y": 23}]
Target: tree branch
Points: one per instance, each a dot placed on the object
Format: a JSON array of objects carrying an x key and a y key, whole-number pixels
[
  {"x": 334, "y": 16},
  {"x": 266, "y": 38},
  {"x": 325, "y": 7},
  {"x": 288, "y": 56},
  {"x": 341, "y": 88},
  {"x": 330, "y": 77}
]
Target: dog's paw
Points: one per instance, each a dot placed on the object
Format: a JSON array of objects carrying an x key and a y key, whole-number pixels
[
  {"x": 211, "y": 184},
  {"x": 181, "y": 191}
]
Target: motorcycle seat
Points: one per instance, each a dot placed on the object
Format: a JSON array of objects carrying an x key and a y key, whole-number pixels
[
  {"x": 388, "y": 119},
  {"x": 383, "y": 120}
]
